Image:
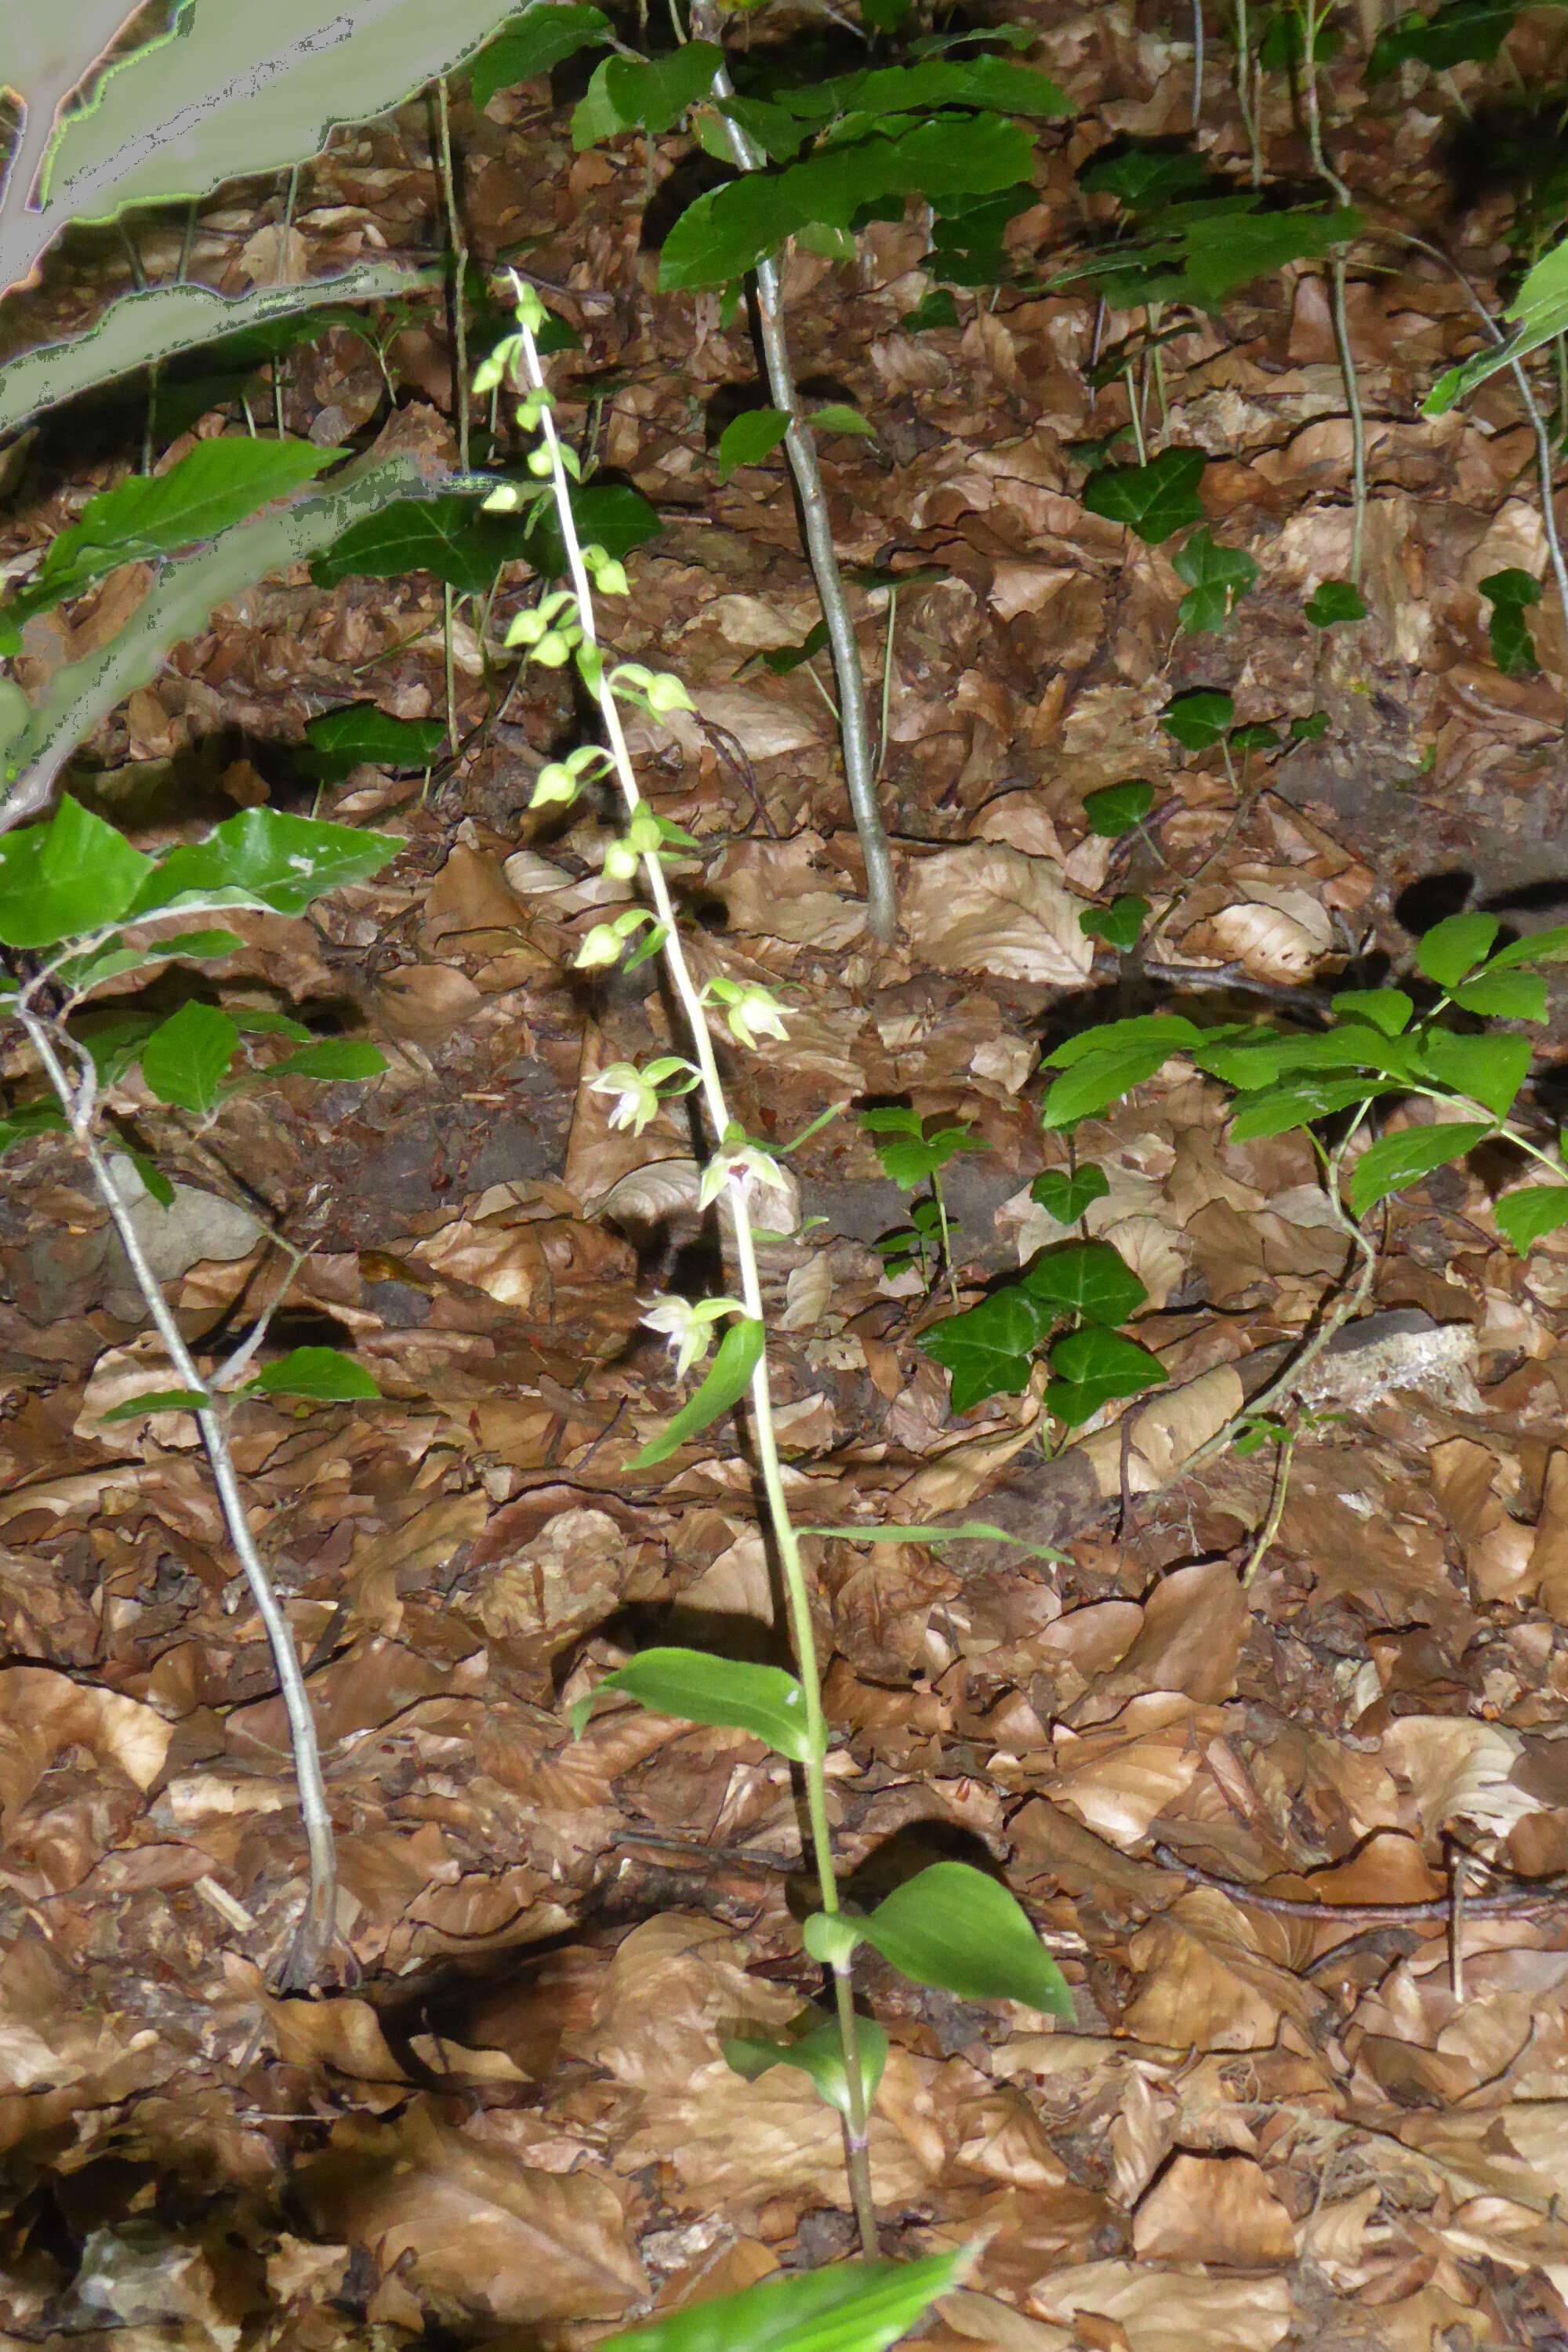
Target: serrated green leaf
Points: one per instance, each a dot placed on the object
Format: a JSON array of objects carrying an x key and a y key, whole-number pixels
[
  {"x": 214, "y": 485},
  {"x": 819, "y": 2055},
  {"x": 1097, "y": 1080},
  {"x": 954, "y": 1928},
  {"x": 1538, "y": 312},
  {"x": 1548, "y": 945},
  {"x": 137, "y": 1408},
  {"x": 1144, "y": 179},
  {"x": 986, "y": 82},
  {"x": 1091, "y": 1366},
  {"x": 1279, "y": 1110},
  {"x": 1262, "y": 1056},
  {"x": 1198, "y": 720},
  {"x": 21, "y": 1124},
  {"x": 543, "y": 36},
  {"x": 325, "y": 1375},
  {"x": 1216, "y": 576},
  {"x": 1525, "y": 1215},
  {"x": 1334, "y": 603},
  {"x": 1065, "y": 1197},
  {"x": 1503, "y": 996},
  {"x": 1172, "y": 1031},
  {"x": 738, "y": 1355},
  {"x": 261, "y": 858},
  {"x": 1119, "y": 924},
  {"x": 1115, "y": 809},
  {"x": 1387, "y": 1009},
  {"x": 749, "y": 437},
  {"x": 1397, "y": 1160},
  {"x": 1488, "y": 1069},
  {"x": 856, "y": 2307},
  {"x": 185, "y": 1058},
  {"x": 70, "y": 876},
  {"x": 332, "y": 1059},
  {"x": 695, "y": 1687},
  {"x": 1453, "y": 947},
  {"x": 838, "y": 416},
  {"x": 1154, "y": 500},
  {"x": 1087, "y": 1278},
  {"x": 1465, "y": 31},
  {"x": 988, "y": 1348}
]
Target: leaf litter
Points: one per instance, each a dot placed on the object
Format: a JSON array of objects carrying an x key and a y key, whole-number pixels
[{"x": 512, "y": 2120}]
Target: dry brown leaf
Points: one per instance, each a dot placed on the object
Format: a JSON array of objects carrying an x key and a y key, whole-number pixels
[
  {"x": 1213, "y": 2209},
  {"x": 987, "y": 907}
]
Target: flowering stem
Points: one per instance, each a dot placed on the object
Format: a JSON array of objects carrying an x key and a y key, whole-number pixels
[{"x": 713, "y": 1097}]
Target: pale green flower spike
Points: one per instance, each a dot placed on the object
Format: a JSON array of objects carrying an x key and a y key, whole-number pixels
[
  {"x": 689, "y": 1328},
  {"x": 637, "y": 1096},
  {"x": 747, "y": 1162},
  {"x": 621, "y": 862},
  {"x": 756, "y": 1012},
  {"x": 527, "y": 304},
  {"x": 601, "y": 947},
  {"x": 505, "y": 499},
  {"x": 554, "y": 786}
]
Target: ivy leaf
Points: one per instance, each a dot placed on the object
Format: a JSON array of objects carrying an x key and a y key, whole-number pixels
[
  {"x": 1115, "y": 809},
  {"x": 71, "y": 875},
  {"x": 1216, "y": 576},
  {"x": 957, "y": 1928},
  {"x": 1511, "y": 594},
  {"x": 1154, "y": 500},
  {"x": 695, "y": 1687},
  {"x": 185, "y": 1058},
  {"x": 325, "y": 1375},
  {"x": 341, "y": 740},
  {"x": 1452, "y": 948},
  {"x": 1065, "y": 1197},
  {"x": 1145, "y": 179},
  {"x": 737, "y": 1358},
  {"x": 909, "y": 1156},
  {"x": 611, "y": 515},
  {"x": 1523, "y": 1216},
  {"x": 1311, "y": 729},
  {"x": 749, "y": 437},
  {"x": 1094, "y": 1365},
  {"x": 819, "y": 2055},
  {"x": 1334, "y": 602},
  {"x": 1199, "y": 719},
  {"x": 848, "y": 2307},
  {"x": 543, "y": 37},
  {"x": 1394, "y": 1161},
  {"x": 1087, "y": 1278},
  {"x": 989, "y": 1347},
  {"x": 1119, "y": 924},
  {"x": 936, "y": 309},
  {"x": 452, "y": 537}
]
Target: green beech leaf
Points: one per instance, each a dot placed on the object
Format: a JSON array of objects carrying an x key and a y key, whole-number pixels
[
  {"x": 323, "y": 1374},
  {"x": 261, "y": 858},
  {"x": 1490, "y": 1069},
  {"x": 954, "y": 1928},
  {"x": 1503, "y": 996},
  {"x": 1115, "y": 809},
  {"x": 1387, "y": 1009},
  {"x": 989, "y": 1347},
  {"x": 850, "y": 2307},
  {"x": 73, "y": 875},
  {"x": 335, "y": 1059},
  {"x": 1452, "y": 948},
  {"x": 726, "y": 232},
  {"x": 1154, "y": 500},
  {"x": 341, "y": 740},
  {"x": 695, "y": 1687},
  {"x": 1092, "y": 1366},
  {"x": 1336, "y": 602},
  {"x": 137, "y": 1408},
  {"x": 185, "y": 1058},
  {"x": 1065, "y": 1197},
  {"x": 1087, "y": 1278},
  {"x": 738, "y": 1355},
  {"x": 542, "y": 36},
  {"x": 1119, "y": 924},
  {"x": 838, "y": 416},
  {"x": 1217, "y": 577},
  {"x": 1395, "y": 1161},
  {"x": 81, "y": 972},
  {"x": 1198, "y": 720},
  {"x": 1279, "y": 1110},
  {"x": 1523, "y": 1216},
  {"x": 817, "y": 2054},
  {"x": 749, "y": 437},
  {"x": 217, "y": 483}
]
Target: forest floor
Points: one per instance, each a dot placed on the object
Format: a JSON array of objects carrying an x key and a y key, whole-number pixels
[{"x": 510, "y": 2123}]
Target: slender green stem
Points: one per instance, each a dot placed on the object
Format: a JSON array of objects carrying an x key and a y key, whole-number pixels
[
  {"x": 457, "y": 244},
  {"x": 796, "y": 1592},
  {"x": 1243, "y": 87},
  {"x": 1135, "y": 411},
  {"x": 1271, "y": 1527},
  {"x": 450, "y": 666},
  {"x": 1311, "y": 20},
  {"x": 946, "y": 1241}
]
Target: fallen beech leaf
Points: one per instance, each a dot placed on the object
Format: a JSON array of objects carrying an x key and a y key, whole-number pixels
[
  {"x": 1213, "y": 2209},
  {"x": 987, "y": 907}
]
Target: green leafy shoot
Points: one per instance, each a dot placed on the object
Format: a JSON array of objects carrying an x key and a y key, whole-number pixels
[
  {"x": 817, "y": 2053},
  {"x": 956, "y": 1928}
]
